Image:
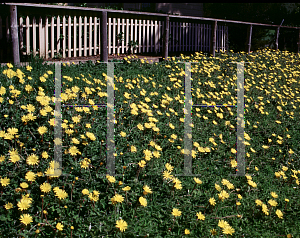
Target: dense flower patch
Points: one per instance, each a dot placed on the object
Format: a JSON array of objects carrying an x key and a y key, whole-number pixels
[{"x": 148, "y": 197}]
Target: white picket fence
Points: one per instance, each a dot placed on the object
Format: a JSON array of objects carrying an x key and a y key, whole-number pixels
[{"x": 148, "y": 33}]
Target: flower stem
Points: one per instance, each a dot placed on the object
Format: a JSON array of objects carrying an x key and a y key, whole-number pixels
[{"x": 193, "y": 188}]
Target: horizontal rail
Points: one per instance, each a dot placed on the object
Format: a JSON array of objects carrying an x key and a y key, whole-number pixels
[{"x": 142, "y": 13}]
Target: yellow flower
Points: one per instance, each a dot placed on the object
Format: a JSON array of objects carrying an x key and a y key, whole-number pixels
[
  {"x": 265, "y": 209},
  {"x": 117, "y": 198},
  {"x": 24, "y": 204},
  {"x": 122, "y": 225},
  {"x": 30, "y": 176},
  {"x": 24, "y": 185},
  {"x": 111, "y": 179},
  {"x": 85, "y": 191},
  {"x": 233, "y": 151},
  {"x": 59, "y": 226},
  {"x": 228, "y": 230},
  {"x": 133, "y": 149},
  {"x": 127, "y": 188},
  {"x": 176, "y": 212},
  {"x": 223, "y": 223},
  {"x": 60, "y": 193},
  {"x": 198, "y": 181},
  {"x": 5, "y": 181},
  {"x": 217, "y": 186},
  {"x": 45, "y": 187},
  {"x": 26, "y": 219},
  {"x": 274, "y": 195},
  {"x": 142, "y": 163},
  {"x": 233, "y": 163},
  {"x": 213, "y": 232},
  {"x": 12, "y": 131},
  {"x": 251, "y": 183},
  {"x": 140, "y": 127},
  {"x": 8, "y": 206},
  {"x": 186, "y": 232},
  {"x": 9, "y": 65},
  {"x": 178, "y": 186},
  {"x": 147, "y": 189},
  {"x": 143, "y": 201},
  {"x": 272, "y": 202},
  {"x": 223, "y": 195},
  {"x": 167, "y": 175},
  {"x": 279, "y": 214},
  {"x": 212, "y": 201},
  {"x": 123, "y": 134},
  {"x": 200, "y": 216},
  {"x": 73, "y": 150},
  {"x": 169, "y": 167},
  {"x": 32, "y": 160},
  {"x": 42, "y": 130},
  {"x": 85, "y": 163}
]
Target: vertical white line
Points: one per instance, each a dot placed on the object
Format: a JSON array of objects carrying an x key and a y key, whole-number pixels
[
  {"x": 57, "y": 122},
  {"x": 187, "y": 122},
  {"x": 240, "y": 120},
  {"x": 110, "y": 120}
]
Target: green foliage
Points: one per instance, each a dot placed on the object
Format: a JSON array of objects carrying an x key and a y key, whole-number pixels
[{"x": 149, "y": 116}]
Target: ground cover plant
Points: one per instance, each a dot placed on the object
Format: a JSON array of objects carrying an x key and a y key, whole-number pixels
[{"x": 148, "y": 199}]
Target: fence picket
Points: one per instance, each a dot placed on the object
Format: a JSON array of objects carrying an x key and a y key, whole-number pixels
[
  {"x": 123, "y": 30},
  {"x": 118, "y": 26},
  {"x": 148, "y": 33},
  {"x": 75, "y": 37},
  {"x": 58, "y": 35},
  {"x": 80, "y": 36},
  {"x": 85, "y": 36}
]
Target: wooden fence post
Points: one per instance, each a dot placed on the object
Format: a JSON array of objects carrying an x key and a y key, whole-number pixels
[
  {"x": 298, "y": 42},
  {"x": 14, "y": 34},
  {"x": 103, "y": 19},
  {"x": 277, "y": 36},
  {"x": 166, "y": 37},
  {"x": 213, "y": 39},
  {"x": 249, "y": 35}
]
